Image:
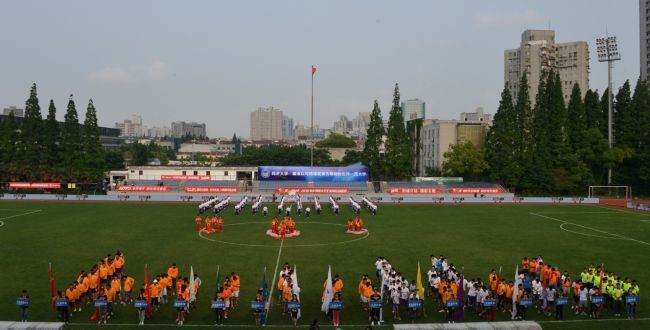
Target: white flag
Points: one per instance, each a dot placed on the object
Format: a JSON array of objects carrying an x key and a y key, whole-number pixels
[
  {"x": 328, "y": 295},
  {"x": 515, "y": 293},
  {"x": 192, "y": 287},
  {"x": 296, "y": 288}
]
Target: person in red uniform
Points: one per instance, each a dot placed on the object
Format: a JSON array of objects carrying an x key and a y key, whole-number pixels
[{"x": 199, "y": 222}]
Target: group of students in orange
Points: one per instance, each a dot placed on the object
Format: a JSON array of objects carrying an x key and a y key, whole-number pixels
[
  {"x": 212, "y": 224},
  {"x": 355, "y": 225},
  {"x": 106, "y": 280},
  {"x": 283, "y": 228}
]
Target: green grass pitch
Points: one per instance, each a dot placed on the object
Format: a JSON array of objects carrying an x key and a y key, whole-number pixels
[{"x": 74, "y": 235}]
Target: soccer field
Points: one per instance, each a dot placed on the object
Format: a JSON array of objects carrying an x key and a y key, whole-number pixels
[{"x": 74, "y": 235}]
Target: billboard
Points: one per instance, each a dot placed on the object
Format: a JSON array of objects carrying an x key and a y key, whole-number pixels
[
  {"x": 352, "y": 173},
  {"x": 211, "y": 189},
  {"x": 414, "y": 191},
  {"x": 143, "y": 189},
  {"x": 35, "y": 185},
  {"x": 185, "y": 177},
  {"x": 312, "y": 190}
]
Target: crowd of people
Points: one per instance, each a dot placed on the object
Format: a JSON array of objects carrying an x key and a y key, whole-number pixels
[
  {"x": 288, "y": 293},
  {"x": 355, "y": 225},
  {"x": 283, "y": 228},
  {"x": 212, "y": 224}
]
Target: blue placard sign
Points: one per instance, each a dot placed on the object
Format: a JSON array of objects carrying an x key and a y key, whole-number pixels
[
  {"x": 632, "y": 299},
  {"x": 375, "y": 304},
  {"x": 526, "y": 302},
  {"x": 336, "y": 305},
  {"x": 452, "y": 303},
  {"x": 140, "y": 304},
  {"x": 180, "y": 303},
  {"x": 597, "y": 300},
  {"x": 100, "y": 303},
  {"x": 489, "y": 303},
  {"x": 258, "y": 306},
  {"x": 415, "y": 304},
  {"x": 22, "y": 302},
  {"x": 562, "y": 301},
  {"x": 61, "y": 303},
  {"x": 218, "y": 304},
  {"x": 293, "y": 305}
]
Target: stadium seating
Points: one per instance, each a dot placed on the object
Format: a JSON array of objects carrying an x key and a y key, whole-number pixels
[{"x": 354, "y": 186}]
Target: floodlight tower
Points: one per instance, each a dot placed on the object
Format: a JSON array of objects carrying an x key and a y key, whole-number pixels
[{"x": 608, "y": 52}]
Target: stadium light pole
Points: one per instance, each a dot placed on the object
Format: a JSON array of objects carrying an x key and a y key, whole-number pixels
[{"x": 607, "y": 50}]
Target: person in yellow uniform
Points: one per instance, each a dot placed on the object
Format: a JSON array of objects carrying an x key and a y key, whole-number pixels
[
  {"x": 128, "y": 288},
  {"x": 337, "y": 284}
]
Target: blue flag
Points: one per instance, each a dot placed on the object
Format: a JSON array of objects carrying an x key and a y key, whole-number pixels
[
  {"x": 461, "y": 298},
  {"x": 264, "y": 297}
]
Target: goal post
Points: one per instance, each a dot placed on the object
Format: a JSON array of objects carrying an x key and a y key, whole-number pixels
[{"x": 616, "y": 192}]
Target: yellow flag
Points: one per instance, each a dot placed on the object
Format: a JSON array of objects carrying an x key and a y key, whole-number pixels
[{"x": 418, "y": 282}]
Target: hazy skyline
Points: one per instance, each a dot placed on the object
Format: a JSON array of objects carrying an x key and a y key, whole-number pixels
[{"x": 216, "y": 61}]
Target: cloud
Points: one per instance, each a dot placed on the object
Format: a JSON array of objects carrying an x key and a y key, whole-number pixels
[
  {"x": 156, "y": 70},
  {"x": 491, "y": 19},
  {"x": 111, "y": 74}
]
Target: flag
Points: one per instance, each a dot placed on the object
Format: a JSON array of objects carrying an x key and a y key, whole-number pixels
[
  {"x": 192, "y": 287},
  {"x": 52, "y": 285},
  {"x": 146, "y": 290},
  {"x": 328, "y": 294},
  {"x": 515, "y": 292},
  {"x": 313, "y": 70},
  {"x": 264, "y": 297},
  {"x": 218, "y": 285},
  {"x": 601, "y": 275},
  {"x": 461, "y": 297},
  {"x": 418, "y": 283},
  {"x": 296, "y": 288}
]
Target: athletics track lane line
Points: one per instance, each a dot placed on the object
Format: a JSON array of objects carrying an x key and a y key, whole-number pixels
[{"x": 597, "y": 230}]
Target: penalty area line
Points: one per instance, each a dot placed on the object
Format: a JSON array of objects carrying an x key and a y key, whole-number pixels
[{"x": 589, "y": 228}]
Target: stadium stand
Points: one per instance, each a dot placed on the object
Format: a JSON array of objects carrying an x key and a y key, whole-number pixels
[
  {"x": 353, "y": 186},
  {"x": 271, "y": 185}
]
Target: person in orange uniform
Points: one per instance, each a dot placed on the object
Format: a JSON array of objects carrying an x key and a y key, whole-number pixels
[
  {"x": 119, "y": 263},
  {"x": 510, "y": 289},
  {"x": 226, "y": 295},
  {"x": 287, "y": 295},
  {"x": 274, "y": 226},
  {"x": 128, "y": 288},
  {"x": 183, "y": 295},
  {"x": 172, "y": 272},
  {"x": 220, "y": 224},
  {"x": 525, "y": 266},
  {"x": 291, "y": 225},
  {"x": 199, "y": 222},
  {"x": 154, "y": 293},
  {"x": 350, "y": 225},
  {"x": 236, "y": 285},
  {"x": 337, "y": 284},
  {"x": 116, "y": 285}
]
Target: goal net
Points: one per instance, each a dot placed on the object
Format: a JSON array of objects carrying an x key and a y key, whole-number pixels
[{"x": 611, "y": 192}]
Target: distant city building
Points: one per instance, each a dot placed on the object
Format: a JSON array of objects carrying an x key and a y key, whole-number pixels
[
  {"x": 644, "y": 34},
  {"x": 477, "y": 116},
  {"x": 538, "y": 53},
  {"x": 438, "y": 136},
  {"x": 17, "y": 112},
  {"x": 159, "y": 131},
  {"x": 181, "y": 129},
  {"x": 413, "y": 109},
  {"x": 131, "y": 127},
  {"x": 360, "y": 124},
  {"x": 266, "y": 124},
  {"x": 342, "y": 126},
  {"x": 288, "y": 130},
  {"x": 302, "y": 132}
]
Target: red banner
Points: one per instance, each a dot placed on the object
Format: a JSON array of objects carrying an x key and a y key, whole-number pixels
[
  {"x": 211, "y": 189},
  {"x": 313, "y": 190},
  {"x": 414, "y": 191},
  {"x": 185, "y": 177},
  {"x": 35, "y": 185},
  {"x": 143, "y": 188},
  {"x": 475, "y": 190}
]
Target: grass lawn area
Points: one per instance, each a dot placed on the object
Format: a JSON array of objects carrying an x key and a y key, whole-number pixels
[{"x": 74, "y": 235}]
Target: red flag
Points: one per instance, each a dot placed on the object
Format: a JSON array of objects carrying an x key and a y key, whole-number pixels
[
  {"x": 52, "y": 285},
  {"x": 602, "y": 274},
  {"x": 313, "y": 70},
  {"x": 146, "y": 290}
]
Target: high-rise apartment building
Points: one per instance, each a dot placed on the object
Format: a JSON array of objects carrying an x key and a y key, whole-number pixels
[
  {"x": 288, "y": 130},
  {"x": 159, "y": 131},
  {"x": 538, "y": 53},
  {"x": 413, "y": 109},
  {"x": 266, "y": 124},
  {"x": 478, "y": 116},
  {"x": 131, "y": 127},
  {"x": 644, "y": 37},
  {"x": 342, "y": 126},
  {"x": 181, "y": 128}
]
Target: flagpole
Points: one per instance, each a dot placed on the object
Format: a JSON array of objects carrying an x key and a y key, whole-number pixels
[{"x": 311, "y": 129}]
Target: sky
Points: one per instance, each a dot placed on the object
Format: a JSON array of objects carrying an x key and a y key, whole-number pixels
[{"x": 216, "y": 61}]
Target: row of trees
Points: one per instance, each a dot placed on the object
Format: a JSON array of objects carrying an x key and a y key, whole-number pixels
[
  {"x": 43, "y": 150},
  {"x": 287, "y": 155},
  {"x": 397, "y": 161},
  {"x": 553, "y": 148}
]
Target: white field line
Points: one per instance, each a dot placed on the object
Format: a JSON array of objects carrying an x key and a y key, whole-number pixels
[
  {"x": 273, "y": 284},
  {"x": 2, "y": 223},
  {"x": 622, "y": 211},
  {"x": 589, "y": 228}
]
